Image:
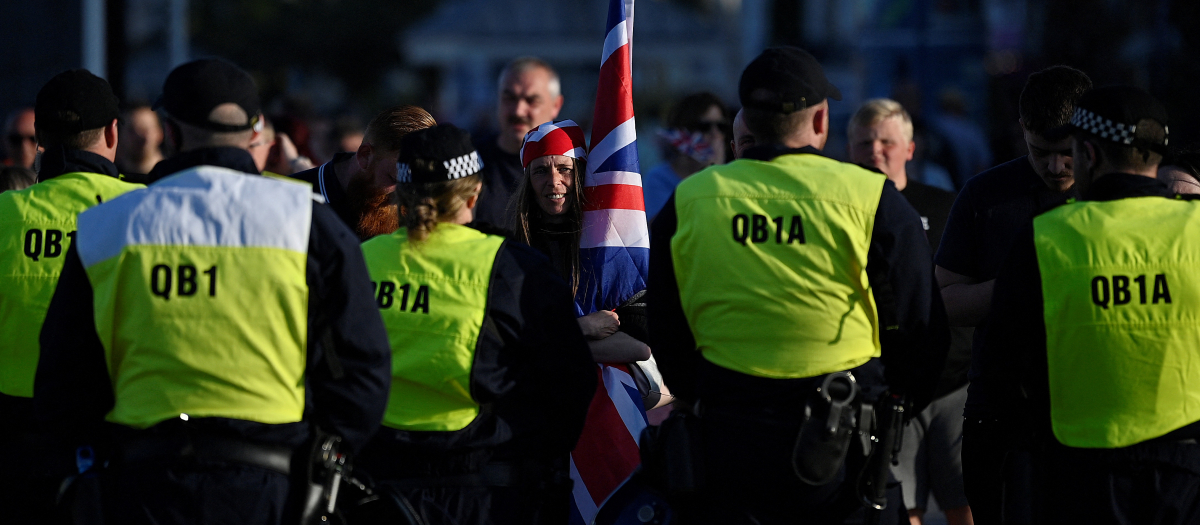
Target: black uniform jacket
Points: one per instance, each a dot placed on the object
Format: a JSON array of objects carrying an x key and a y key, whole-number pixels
[
  {"x": 325, "y": 183},
  {"x": 900, "y": 270},
  {"x": 59, "y": 161},
  {"x": 1017, "y": 341},
  {"x": 532, "y": 375},
  {"x": 347, "y": 381}
]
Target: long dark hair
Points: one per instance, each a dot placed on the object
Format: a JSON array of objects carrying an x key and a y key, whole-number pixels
[{"x": 530, "y": 219}]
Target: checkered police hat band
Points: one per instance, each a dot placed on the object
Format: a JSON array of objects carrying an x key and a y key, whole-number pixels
[
  {"x": 455, "y": 168},
  {"x": 1102, "y": 127},
  {"x": 463, "y": 166}
]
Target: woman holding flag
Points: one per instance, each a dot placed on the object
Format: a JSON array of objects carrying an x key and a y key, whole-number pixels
[
  {"x": 481, "y": 330},
  {"x": 585, "y": 209},
  {"x": 549, "y": 205},
  {"x": 550, "y": 209}
]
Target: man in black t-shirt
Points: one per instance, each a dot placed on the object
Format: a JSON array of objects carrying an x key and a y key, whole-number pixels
[
  {"x": 990, "y": 211},
  {"x": 360, "y": 186},
  {"x": 529, "y": 95},
  {"x": 881, "y": 137}
]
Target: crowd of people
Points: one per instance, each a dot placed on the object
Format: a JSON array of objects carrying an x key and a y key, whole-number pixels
[{"x": 222, "y": 331}]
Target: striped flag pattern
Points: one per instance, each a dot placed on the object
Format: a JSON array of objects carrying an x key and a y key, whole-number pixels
[
  {"x": 615, "y": 245},
  {"x": 614, "y": 259}
]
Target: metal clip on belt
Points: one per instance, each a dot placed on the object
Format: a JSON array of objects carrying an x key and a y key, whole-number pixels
[{"x": 830, "y": 419}]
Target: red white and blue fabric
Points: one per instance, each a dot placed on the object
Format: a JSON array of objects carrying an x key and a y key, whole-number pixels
[
  {"x": 690, "y": 143},
  {"x": 607, "y": 452},
  {"x": 554, "y": 138},
  {"x": 614, "y": 257},
  {"x": 615, "y": 241}
]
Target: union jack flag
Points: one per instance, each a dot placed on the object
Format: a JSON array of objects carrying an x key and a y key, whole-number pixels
[
  {"x": 615, "y": 245},
  {"x": 614, "y": 258}
]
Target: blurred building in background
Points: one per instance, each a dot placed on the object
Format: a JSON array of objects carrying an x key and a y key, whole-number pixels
[{"x": 955, "y": 64}]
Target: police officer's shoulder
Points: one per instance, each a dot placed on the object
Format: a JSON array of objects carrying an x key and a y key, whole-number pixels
[
  {"x": 708, "y": 173},
  {"x": 849, "y": 169},
  {"x": 1058, "y": 210},
  {"x": 286, "y": 178},
  {"x": 873, "y": 169}
]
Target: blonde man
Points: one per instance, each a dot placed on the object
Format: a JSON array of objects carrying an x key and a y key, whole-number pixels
[{"x": 881, "y": 137}]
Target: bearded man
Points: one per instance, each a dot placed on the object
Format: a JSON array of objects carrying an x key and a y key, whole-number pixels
[{"x": 361, "y": 185}]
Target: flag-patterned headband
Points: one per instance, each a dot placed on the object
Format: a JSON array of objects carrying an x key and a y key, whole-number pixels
[
  {"x": 1105, "y": 128},
  {"x": 553, "y": 138}
]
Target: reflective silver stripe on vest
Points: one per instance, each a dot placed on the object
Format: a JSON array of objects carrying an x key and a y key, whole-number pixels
[{"x": 202, "y": 206}]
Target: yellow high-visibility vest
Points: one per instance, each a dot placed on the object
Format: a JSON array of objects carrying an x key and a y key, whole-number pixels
[
  {"x": 433, "y": 297},
  {"x": 771, "y": 263},
  {"x": 201, "y": 298},
  {"x": 1121, "y": 289},
  {"x": 37, "y": 226}
]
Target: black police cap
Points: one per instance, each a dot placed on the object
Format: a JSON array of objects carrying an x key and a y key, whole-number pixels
[
  {"x": 75, "y": 101},
  {"x": 785, "y": 80},
  {"x": 441, "y": 153},
  {"x": 193, "y": 90},
  {"x": 1115, "y": 112}
]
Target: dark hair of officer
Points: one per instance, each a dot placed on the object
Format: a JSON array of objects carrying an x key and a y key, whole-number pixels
[
  {"x": 1049, "y": 97},
  {"x": 437, "y": 174},
  {"x": 73, "y": 109},
  {"x": 210, "y": 103},
  {"x": 1126, "y": 126},
  {"x": 780, "y": 90}
]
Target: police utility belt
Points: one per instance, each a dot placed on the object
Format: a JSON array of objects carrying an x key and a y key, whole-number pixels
[
  {"x": 835, "y": 416},
  {"x": 206, "y": 447}
]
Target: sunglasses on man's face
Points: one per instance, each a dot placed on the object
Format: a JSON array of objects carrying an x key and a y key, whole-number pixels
[{"x": 16, "y": 139}]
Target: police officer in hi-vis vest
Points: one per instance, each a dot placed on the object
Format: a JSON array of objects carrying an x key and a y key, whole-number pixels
[
  {"x": 209, "y": 324},
  {"x": 772, "y": 274},
  {"x": 76, "y": 123},
  {"x": 1097, "y": 317},
  {"x": 491, "y": 376}
]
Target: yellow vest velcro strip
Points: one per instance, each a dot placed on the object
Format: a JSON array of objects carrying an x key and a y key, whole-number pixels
[
  {"x": 771, "y": 258},
  {"x": 37, "y": 226},
  {"x": 1121, "y": 290},
  {"x": 433, "y": 298}
]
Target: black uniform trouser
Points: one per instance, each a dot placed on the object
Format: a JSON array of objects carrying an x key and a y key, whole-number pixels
[
  {"x": 30, "y": 472},
  {"x": 1149, "y": 483},
  {"x": 748, "y": 473},
  {"x": 749, "y": 480},
  {"x": 196, "y": 492},
  {"x": 27, "y": 495},
  {"x": 525, "y": 499},
  {"x": 985, "y": 444}
]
